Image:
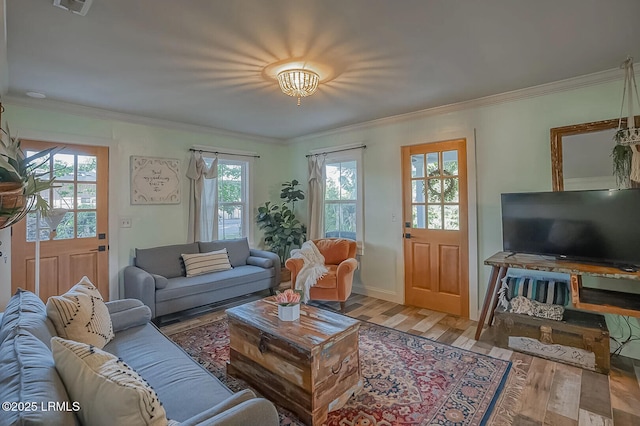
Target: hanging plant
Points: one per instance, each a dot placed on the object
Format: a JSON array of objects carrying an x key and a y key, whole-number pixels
[
  {"x": 626, "y": 160},
  {"x": 621, "y": 155}
]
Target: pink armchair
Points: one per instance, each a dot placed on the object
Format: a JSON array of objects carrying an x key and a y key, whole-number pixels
[{"x": 339, "y": 256}]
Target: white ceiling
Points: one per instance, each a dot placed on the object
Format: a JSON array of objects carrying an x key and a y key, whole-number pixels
[{"x": 202, "y": 62}]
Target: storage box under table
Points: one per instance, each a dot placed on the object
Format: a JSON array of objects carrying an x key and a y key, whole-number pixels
[{"x": 580, "y": 339}]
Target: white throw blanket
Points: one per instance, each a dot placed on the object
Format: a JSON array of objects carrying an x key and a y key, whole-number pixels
[{"x": 312, "y": 270}]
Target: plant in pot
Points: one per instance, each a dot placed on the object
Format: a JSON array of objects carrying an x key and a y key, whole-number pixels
[
  {"x": 282, "y": 231},
  {"x": 21, "y": 181}
]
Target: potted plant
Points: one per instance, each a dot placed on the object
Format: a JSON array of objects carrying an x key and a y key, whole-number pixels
[
  {"x": 288, "y": 304},
  {"x": 282, "y": 231},
  {"x": 20, "y": 181},
  {"x": 621, "y": 156}
]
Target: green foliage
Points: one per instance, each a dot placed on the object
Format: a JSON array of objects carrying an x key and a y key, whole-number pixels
[
  {"x": 282, "y": 231},
  {"x": 230, "y": 186},
  {"x": 621, "y": 155},
  {"x": 15, "y": 167}
]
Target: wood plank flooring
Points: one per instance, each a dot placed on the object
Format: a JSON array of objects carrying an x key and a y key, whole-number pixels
[{"x": 539, "y": 392}]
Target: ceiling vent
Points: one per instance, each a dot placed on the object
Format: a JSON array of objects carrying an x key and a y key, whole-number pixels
[{"x": 79, "y": 7}]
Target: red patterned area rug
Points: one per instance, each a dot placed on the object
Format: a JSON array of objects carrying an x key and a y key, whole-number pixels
[{"x": 408, "y": 380}]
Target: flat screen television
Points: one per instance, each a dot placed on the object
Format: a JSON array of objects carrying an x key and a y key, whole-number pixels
[{"x": 601, "y": 226}]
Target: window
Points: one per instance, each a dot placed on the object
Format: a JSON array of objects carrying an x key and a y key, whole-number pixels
[
  {"x": 343, "y": 196},
  {"x": 227, "y": 204},
  {"x": 76, "y": 179},
  {"x": 435, "y": 190}
]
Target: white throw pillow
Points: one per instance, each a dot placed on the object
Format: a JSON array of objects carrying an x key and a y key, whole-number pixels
[
  {"x": 81, "y": 315},
  {"x": 108, "y": 390},
  {"x": 203, "y": 263}
]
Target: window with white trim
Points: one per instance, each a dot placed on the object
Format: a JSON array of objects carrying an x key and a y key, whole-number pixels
[
  {"x": 228, "y": 201},
  {"x": 343, "y": 195}
]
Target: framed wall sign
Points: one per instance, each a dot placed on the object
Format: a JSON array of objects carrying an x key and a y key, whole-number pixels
[{"x": 155, "y": 180}]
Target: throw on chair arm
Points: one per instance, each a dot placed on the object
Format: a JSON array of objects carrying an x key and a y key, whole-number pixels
[{"x": 294, "y": 265}]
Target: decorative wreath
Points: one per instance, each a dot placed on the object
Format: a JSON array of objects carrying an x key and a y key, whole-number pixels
[{"x": 450, "y": 185}]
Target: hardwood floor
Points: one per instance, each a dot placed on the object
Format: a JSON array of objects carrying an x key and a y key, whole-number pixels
[{"x": 539, "y": 392}]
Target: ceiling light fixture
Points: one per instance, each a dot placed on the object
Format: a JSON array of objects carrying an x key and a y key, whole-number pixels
[
  {"x": 36, "y": 95},
  {"x": 79, "y": 7},
  {"x": 299, "y": 83}
]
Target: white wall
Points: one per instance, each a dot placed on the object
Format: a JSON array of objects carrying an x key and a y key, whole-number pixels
[
  {"x": 513, "y": 155},
  {"x": 151, "y": 225}
]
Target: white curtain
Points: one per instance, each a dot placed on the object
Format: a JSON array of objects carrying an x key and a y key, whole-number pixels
[
  {"x": 316, "y": 197},
  {"x": 202, "y": 193}
]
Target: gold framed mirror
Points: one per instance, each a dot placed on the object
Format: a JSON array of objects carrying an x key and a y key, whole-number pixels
[{"x": 559, "y": 148}]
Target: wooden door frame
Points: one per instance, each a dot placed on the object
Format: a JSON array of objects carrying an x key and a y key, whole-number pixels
[
  {"x": 472, "y": 218},
  {"x": 114, "y": 195}
]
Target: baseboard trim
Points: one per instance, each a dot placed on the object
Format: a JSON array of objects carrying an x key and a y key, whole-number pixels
[{"x": 388, "y": 295}]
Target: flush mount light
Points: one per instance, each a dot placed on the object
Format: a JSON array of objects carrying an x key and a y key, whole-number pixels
[
  {"x": 36, "y": 95},
  {"x": 298, "y": 82},
  {"x": 79, "y": 7}
]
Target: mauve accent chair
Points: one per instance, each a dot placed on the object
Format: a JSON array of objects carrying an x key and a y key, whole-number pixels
[{"x": 340, "y": 258}]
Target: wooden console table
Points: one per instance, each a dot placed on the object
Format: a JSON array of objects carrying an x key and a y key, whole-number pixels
[{"x": 590, "y": 299}]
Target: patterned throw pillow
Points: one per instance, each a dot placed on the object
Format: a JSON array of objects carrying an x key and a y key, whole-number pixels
[
  {"x": 81, "y": 315},
  {"x": 551, "y": 291},
  {"x": 203, "y": 263},
  {"x": 108, "y": 391}
]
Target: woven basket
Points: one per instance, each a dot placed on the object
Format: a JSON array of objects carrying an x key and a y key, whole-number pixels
[{"x": 14, "y": 205}]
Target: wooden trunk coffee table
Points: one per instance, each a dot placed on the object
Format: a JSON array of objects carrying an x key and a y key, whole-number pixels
[{"x": 309, "y": 366}]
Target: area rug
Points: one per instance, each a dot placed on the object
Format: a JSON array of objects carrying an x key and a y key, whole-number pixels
[{"x": 408, "y": 380}]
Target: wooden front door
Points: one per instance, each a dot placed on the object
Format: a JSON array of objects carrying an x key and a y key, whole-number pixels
[
  {"x": 80, "y": 245},
  {"x": 434, "y": 183}
]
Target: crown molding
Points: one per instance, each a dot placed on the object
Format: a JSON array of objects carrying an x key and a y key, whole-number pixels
[
  {"x": 514, "y": 95},
  {"x": 105, "y": 114}
]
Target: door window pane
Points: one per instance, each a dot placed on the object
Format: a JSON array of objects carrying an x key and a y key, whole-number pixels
[
  {"x": 419, "y": 217},
  {"x": 433, "y": 167},
  {"x": 452, "y": 217},
  {"x": 417, "y": 165},
  {"x": 63, "y": 196},
  {"x": 87, "y": 224},
  {"x": 435, "y": 217},
  {"x": 43, "y": 165},
  {"x": 435, "y": 190},
  {"x": 450, "y": 160},
  {"x": 417, "y": 191},
  {"x": 87, "y": 196},
  {"x": 31, "y": 228},
  {"x": 64, "y": 166},
  {"x": 451, "y": 190},
  {"x": 66, "y": 227},
  {"x": 87, "y": 168}
]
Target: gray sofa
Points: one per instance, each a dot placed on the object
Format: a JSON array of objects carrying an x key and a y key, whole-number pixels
[
  {"x": 158, "y": 277},
  {"x": 188, "y": 392}
]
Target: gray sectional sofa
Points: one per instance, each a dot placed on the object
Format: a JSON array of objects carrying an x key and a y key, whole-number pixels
[
  {"x": 158, "y": 276},
  {"x": 189, "y": 393}
]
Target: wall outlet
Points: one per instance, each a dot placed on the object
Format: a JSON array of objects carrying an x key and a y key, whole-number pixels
[{"x": 125, "y": 222}]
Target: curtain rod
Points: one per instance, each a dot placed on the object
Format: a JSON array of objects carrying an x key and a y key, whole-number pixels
[
  {"x": 337, "y": 150},
  {"x": 224, "y": 153}
]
